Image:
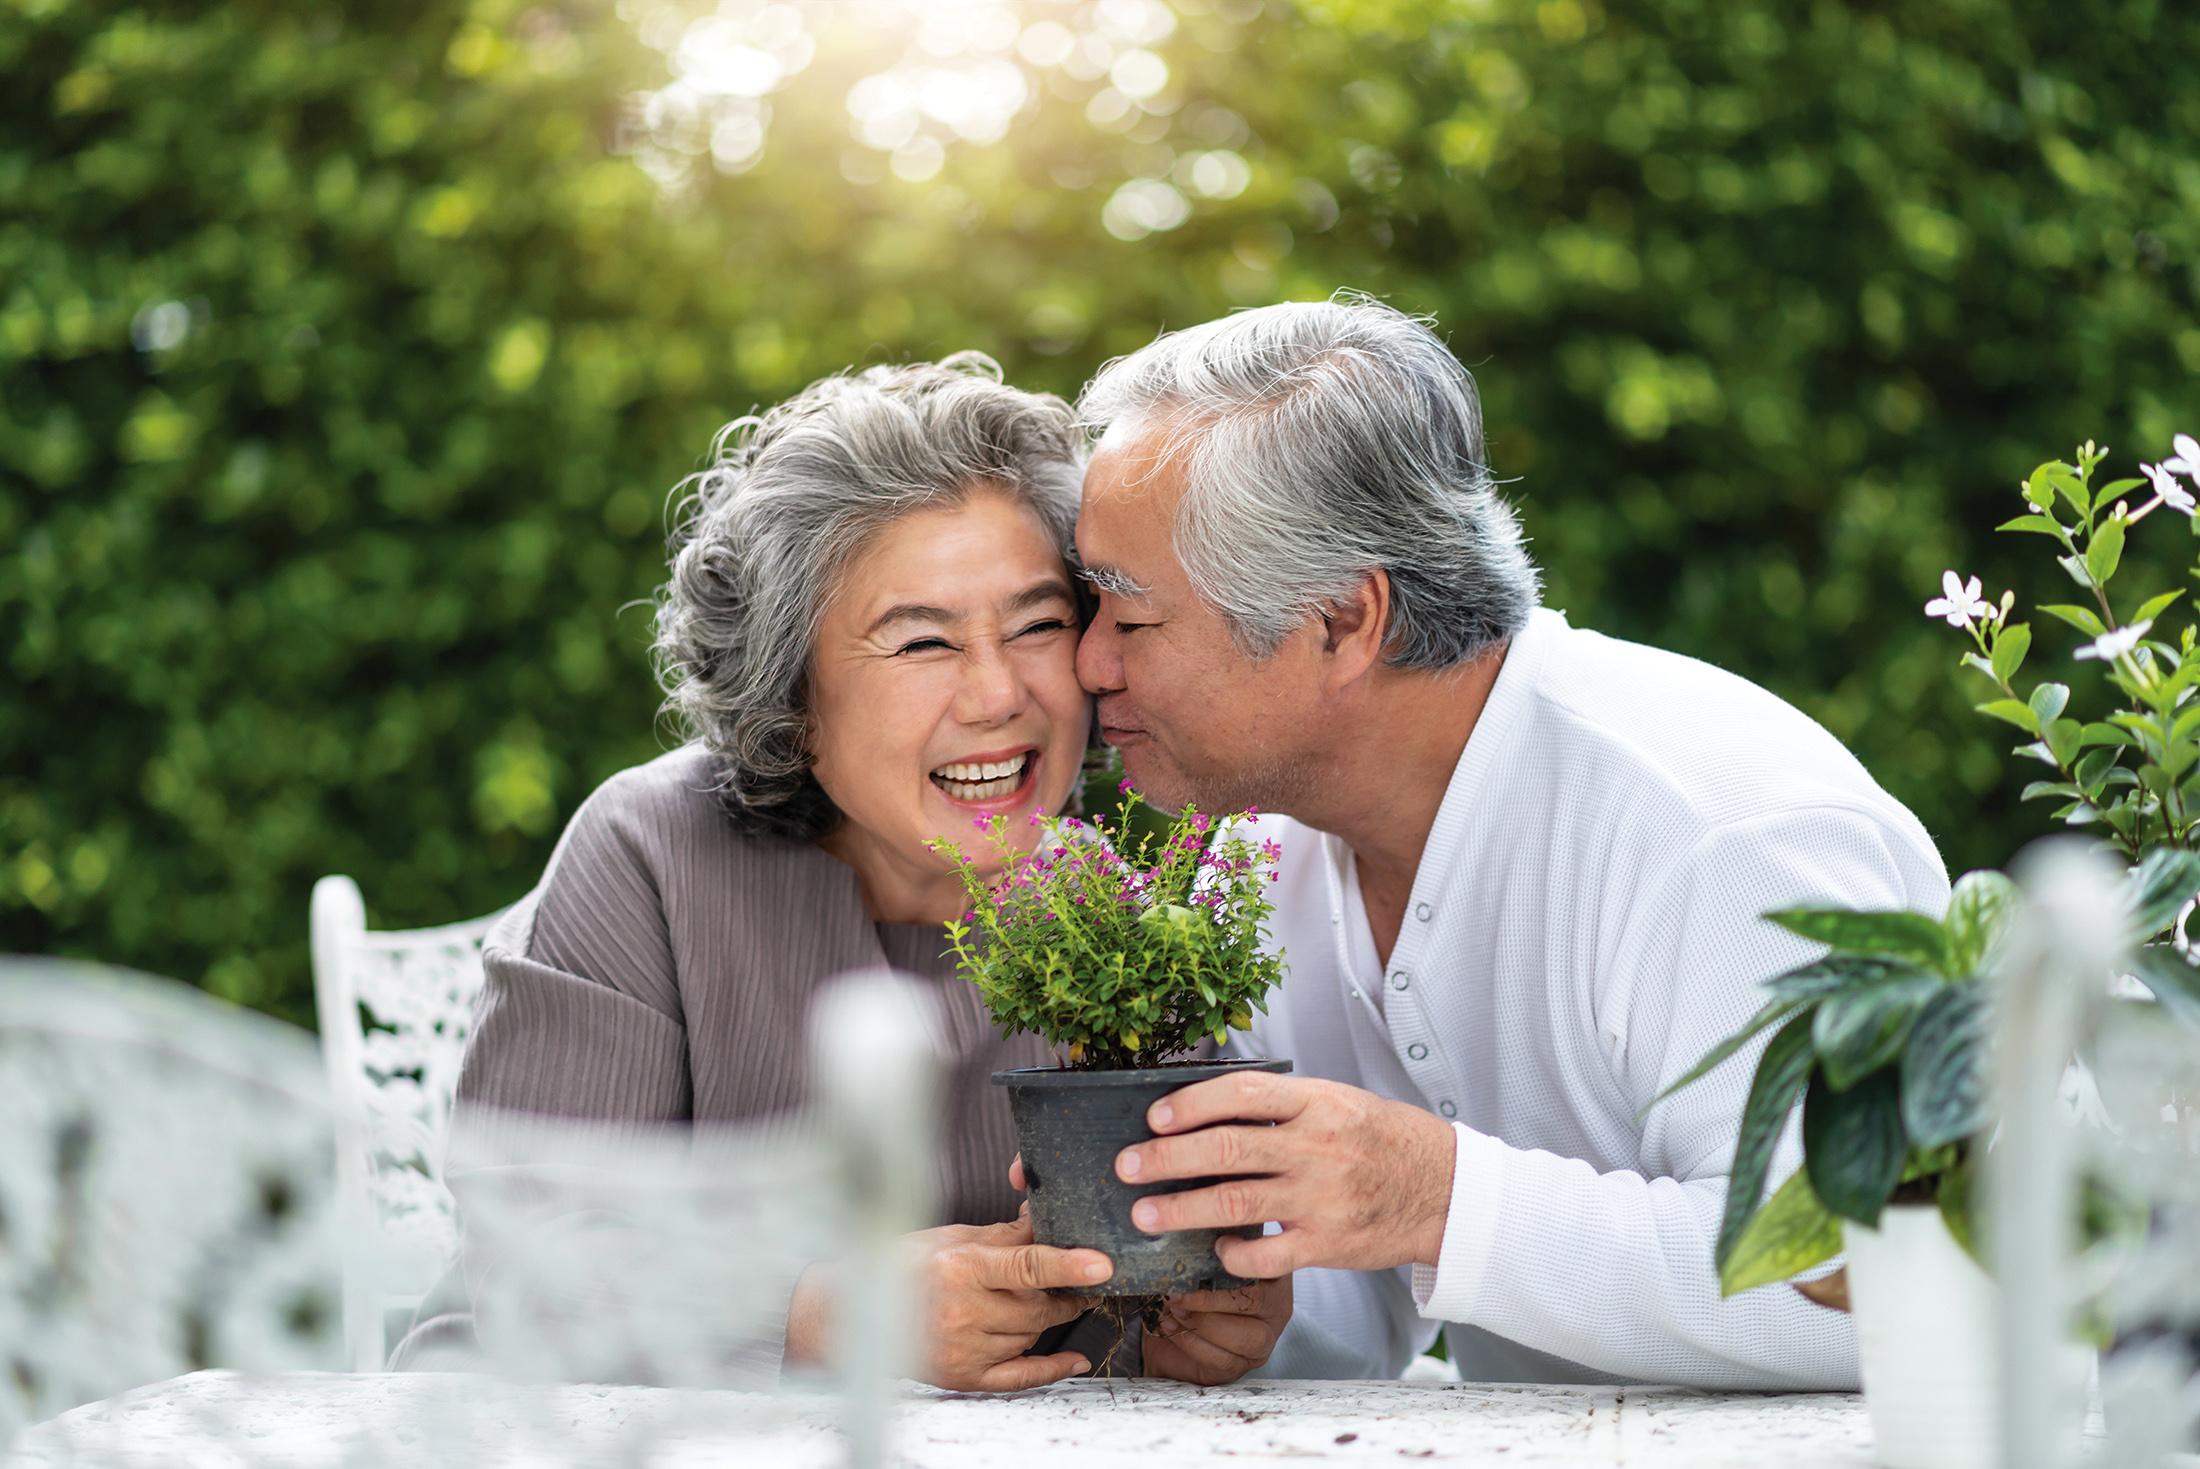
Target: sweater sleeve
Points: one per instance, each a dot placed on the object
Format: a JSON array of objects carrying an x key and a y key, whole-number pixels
[
  {"x": 580, "y": 1008},
  {"x": 579, "y": 1018},
  {"x": 1614, "y": 1270}
]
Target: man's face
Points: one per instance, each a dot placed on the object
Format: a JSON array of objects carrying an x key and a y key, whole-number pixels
[{"x": 1196, "y": 719}]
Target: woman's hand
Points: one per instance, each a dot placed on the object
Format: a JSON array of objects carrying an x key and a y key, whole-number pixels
[
  {"x": 986, "y": 1301},
  {"x": 1211, "y": 1337}
]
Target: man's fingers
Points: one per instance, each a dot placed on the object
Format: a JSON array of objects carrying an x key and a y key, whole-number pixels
[
  {"x": 1042, "y": 1267},
  {"x": 1266, "y": 1258},
  {"x": 1192, "y": 1357},
  {"x": 1235, "y": 1201},
  {"x": 1215, "y": 1152},
  {"x": 1245, "y": 1338},
  {"x": 1016, "y": 1173},
  {"x": 1244, "y": 1300},
  {"x": 1250, "y": 1096},
  {"x": 1018, "y": 1373}
]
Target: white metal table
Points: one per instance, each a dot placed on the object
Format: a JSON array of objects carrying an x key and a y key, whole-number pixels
[{"x": 317, "y": 1419}]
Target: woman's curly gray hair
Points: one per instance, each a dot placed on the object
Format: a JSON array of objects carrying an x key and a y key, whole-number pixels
[{"x": 761, "y": 537}]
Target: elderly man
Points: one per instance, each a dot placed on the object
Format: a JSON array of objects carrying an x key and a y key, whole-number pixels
[{"x": 1523, "y": 867}]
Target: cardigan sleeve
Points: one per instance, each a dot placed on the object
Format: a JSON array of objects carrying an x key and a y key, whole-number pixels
[{"x": 579, "y": 1018}]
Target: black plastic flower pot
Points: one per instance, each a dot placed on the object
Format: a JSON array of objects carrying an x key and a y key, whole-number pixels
[{"x": 1069, "y": 1126}]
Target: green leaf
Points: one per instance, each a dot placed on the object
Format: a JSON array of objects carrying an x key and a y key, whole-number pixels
[
  {"x": 2084, "y": 619},
  {"x": 2163, "y": 882},
  {"x": 2009, "y": 650},
  {"x": 2104, "y": 733},
  {"x": 1897, "y": 934},
  {"x": 1779, "y": 1009},
  {"x": 2091, "y": 771},
  {"x": 2063, "y": 739},
  {"x": 2038, "y": 524},
  {"x": 2105, "y": 552},
  {"x": 1853, "y": 1144},
  {"x": 1957, "y": 1196},
  {"x": 1792, "y": 1233},
  {"x": 2185, "y": 723},
  {"x": 1863, "y": 1030},
  {"x": 2040, "y": 789},
  {"x": 2020, "y": 715},
  {"x": 2039, "y": 492},
  {"x": 1772, "y": 1095},
  {"x": 2065, "y": 479},
  {"x": 2175, "y": 982},
  {"x": 2114, "y": 488},
  {"x": 1943, "y": 1067},
  {"x": 2048, "y": 702},
  {"x": 2076, "y": 568},
  {"x": 1832, "y": 975},
  {"x": 1979, "y": 906},
  {"x": 2154, "y": 607}
]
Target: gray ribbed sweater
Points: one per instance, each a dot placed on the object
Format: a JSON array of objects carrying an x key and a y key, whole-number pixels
[{"x": 662, "y": 971}]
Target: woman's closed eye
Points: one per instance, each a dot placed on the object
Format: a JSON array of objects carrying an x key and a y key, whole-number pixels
[
  {"x": 1047, "y": 625},
  {"x": 923, "y": 645}
]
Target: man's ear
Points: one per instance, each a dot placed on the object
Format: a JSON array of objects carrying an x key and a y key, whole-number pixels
[{"x": 1355, "y": 630}]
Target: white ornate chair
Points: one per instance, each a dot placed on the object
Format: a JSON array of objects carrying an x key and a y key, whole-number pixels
[
  {"x": 395, "y": 1006},
  {"x": 165, "y": 1200},
  {"x": 167, "y": 1204}
]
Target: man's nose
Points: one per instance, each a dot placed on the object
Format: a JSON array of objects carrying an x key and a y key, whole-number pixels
[{"x": 1100, "y": 658}]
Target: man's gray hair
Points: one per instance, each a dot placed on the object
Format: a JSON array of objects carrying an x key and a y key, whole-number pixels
[
  {"x": 761, "y": 537},
  {"x": 1324, "y": 440}
]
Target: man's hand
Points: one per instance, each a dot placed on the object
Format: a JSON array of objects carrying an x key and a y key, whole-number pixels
[
  {"x": 1211, "y": 1337},
  {"x": 986, "y": 1301},
  {"x": 1358, "y": 1183}
]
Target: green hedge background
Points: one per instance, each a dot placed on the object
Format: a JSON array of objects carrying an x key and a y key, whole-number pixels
[{"x": 347, "y": 356}]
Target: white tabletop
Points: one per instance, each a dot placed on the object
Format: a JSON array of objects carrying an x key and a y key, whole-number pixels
[{"x": 313, "y": 1419}]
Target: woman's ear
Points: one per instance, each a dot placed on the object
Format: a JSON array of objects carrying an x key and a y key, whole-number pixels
[{"x": 1355, "y": 630}]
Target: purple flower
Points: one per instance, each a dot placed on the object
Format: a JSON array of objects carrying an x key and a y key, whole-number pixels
[{"x": 1123, "y": 786}]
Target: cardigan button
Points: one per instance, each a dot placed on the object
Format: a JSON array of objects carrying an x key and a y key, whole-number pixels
[
  {"x": 1423, "y": 912},
  {"x": 1417, "y": 1051},
  {"x": 1400, "y": 980},
  {"x": 1449, "y": 1109}
]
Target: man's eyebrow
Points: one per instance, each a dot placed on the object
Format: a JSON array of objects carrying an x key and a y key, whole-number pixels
[{"x": 1114, "y": 581}]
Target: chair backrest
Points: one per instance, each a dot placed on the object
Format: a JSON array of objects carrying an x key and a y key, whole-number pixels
[
  {"x": 395, "y": 1007},
  {"x": 168, "y": 1204},
  {"x": 165, "y": 1198}
]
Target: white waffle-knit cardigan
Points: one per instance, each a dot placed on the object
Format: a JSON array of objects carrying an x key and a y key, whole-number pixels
[{"x": 1585, "y": 925}]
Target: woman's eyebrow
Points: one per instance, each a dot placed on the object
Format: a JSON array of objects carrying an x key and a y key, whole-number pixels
[
  {"x": 1053, "y": 589},
  {"x": 912, "y": 612}
]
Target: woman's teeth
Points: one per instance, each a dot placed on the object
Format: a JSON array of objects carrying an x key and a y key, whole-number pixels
[{"x": 982, "y": 780}]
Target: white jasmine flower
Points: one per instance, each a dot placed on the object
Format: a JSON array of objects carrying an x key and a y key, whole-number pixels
[
  {"x": 2166, "y": 488},
  {"x": 1961, "y": 601},
  {"x": 2111, "y": 646},
  {"x": 2187, "y": 462}
]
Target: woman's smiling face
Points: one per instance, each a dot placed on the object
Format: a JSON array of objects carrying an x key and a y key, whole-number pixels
[{"x": 943, "y": 690}]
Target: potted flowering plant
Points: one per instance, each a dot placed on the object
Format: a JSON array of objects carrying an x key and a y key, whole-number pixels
[
  {"x": 1883, "y": 1039},
  {"x": 1125, "y": 952}
]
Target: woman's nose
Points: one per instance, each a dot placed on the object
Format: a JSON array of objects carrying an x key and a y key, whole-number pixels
[{"x": 993, "y": 691}]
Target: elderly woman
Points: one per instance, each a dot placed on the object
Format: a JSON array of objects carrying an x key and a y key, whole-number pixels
[{"x": 869, "y": 634}]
